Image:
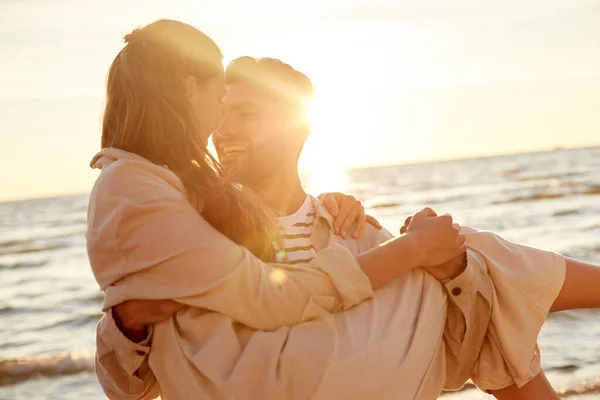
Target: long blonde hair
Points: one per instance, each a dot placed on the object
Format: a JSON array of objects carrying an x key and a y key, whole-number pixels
[{"x": 148, "y": 112}]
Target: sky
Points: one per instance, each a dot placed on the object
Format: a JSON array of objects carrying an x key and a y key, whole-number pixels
[{"x": 397, "y": 81}]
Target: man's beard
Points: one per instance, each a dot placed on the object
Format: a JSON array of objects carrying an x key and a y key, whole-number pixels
[{"x": 257, "y": 165}]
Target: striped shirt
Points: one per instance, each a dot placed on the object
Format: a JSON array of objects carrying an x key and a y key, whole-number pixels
[{"x": 296, "y": 234}]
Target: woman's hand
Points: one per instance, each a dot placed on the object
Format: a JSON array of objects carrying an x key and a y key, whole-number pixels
[
  {"x": 438, "y": 239},
  {"x": 347, "y": 212},
  {"x": 134, "y": 316},
  {"x": 448, "y": 270}
]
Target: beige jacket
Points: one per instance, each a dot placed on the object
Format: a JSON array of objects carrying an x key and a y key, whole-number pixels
[{"x": 243, "y": 337}]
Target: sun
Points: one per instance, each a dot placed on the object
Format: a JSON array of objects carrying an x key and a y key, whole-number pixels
[
  {"x": 331, "y": 130},
  {"x": 324, "y": 156}
]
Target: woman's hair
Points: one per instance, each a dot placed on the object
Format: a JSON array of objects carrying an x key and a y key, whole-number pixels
[{"x": 148, "y": 112}]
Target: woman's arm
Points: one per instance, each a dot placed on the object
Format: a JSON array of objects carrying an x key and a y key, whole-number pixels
[
  {"x": 170, "y": 251},
  {"x": 145, "y": 241}
]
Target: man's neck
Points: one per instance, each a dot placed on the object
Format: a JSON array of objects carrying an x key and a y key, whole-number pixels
[{"x": 283, "y": 193}]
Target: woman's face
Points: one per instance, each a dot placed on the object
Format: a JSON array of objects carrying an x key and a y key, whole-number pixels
[{"x": 206, "y": 102}]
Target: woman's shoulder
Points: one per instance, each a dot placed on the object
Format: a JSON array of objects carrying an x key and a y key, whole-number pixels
[{"x": 135, "y": 179}]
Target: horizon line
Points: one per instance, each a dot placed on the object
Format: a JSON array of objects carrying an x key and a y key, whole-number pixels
[{"x": 366, "y": 166}]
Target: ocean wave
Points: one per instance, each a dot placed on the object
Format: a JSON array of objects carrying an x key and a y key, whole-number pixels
[
  {"x": 591, "y": 190},
  {"x": 448, "y": 199},
  {"x": 27, "y": 246},
  {"x": 585, "y": 387},
  {"x": 388, "y": 204},
  {"x": 23, "y": 265},
  {"x": 6, "y": 309},
  {"x": 550, "y": 176},
  {"x": 585, "y": 191},
  {"x": 533, "y": 197},
  {"x": 563, "y": 368},
  {"x": 11, "y": 346},
  {"x": 95, "y": 298},
  {"x": 580, "y": 251},
  {"x": 74, "y": 222},
  {"x": 73, "y": 322},
  {"x": 10, "y": 310},
  {"x": 511, "y": 172},
  {"x": 564, "y": 213},
  {"x": 13, "y": 243},
  {"x": 19, "y": 370}
]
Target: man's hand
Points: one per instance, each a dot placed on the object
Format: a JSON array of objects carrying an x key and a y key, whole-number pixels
[
  {"x": 448, "y": 270},
  {"x": 133, "y": 316},
  {"x": 347, "y": 212}
]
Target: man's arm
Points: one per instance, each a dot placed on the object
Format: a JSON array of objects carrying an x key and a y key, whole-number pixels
[{"x": 122, "y": 365}]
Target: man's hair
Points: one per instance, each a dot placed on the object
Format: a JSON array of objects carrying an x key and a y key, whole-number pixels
[{"x": 273, "y": 75}]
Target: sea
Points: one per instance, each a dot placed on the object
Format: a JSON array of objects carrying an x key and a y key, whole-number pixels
[{"x": 50, "y": 303}]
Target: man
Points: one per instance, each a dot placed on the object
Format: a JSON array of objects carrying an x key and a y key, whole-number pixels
[{"x": 259, "y": 143}]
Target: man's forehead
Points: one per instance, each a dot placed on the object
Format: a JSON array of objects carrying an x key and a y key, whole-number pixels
[{"x": 244, "y": 92}]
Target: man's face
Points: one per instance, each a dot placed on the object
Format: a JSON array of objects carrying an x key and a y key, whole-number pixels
[{"x": 259, "y": 136}]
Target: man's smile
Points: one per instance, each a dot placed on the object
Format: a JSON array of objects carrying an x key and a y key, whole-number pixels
[{"x": 231, "y": 152}]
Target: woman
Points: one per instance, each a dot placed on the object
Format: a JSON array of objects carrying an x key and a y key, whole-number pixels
[{"x": 152, "y": 219}]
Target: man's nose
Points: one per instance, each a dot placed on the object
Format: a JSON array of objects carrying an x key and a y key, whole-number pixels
[
  {"x": 223, "y": 131},
  {"x": 223, "y": 134}
]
